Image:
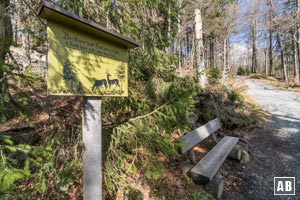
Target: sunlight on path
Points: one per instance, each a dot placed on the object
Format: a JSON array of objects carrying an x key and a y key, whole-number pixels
[{"x": 284, "y": 106}]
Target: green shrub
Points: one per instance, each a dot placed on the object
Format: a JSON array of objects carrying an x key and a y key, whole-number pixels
[
  {"x": 241, "y": 71},
  {"x": 214, "y": 75}
]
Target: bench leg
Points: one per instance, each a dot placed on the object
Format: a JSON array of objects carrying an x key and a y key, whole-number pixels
[
  {"x": 186, "y": 167},
  {"x": 236, "y": 152},
  {"x": 216, "y": 186},
  {"x": 192, "y": 157}
]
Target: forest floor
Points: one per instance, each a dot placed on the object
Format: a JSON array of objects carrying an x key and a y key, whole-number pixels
[{"x": 274, "y": 149}]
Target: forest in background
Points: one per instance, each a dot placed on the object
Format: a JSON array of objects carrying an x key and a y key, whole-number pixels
[{"x": 186, "y": 47}]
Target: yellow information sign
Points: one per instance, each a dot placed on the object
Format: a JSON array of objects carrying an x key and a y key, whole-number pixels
[{"x": 80, "y": 64}]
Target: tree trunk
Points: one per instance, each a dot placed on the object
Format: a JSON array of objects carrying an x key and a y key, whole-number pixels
[
  {"x": 266, "y": 59},
  {"x": 298, "y": 49},
  {"x": 199, "y": 49},
  {"x": 179, "y": 55},
  {"x": 5, "y": 30},
  {"x": 25, "y": 48},
  {"x": 224, "y": 74},
  {"x": 206, "y": 53},
  {"x": 186, "y": 48},
  {"x": 282, "y": 58},
  {"x": 23, "y": 11},
  {"x": 187, "y": 44},
  {"x": 15, "y": 23},
  {"x": 254, "y": 46},
  {"x": 266, "y": 62},
  {"x": 2, "y": 32},
  {"x": 270, "y": 16},
  {"x": 211, "y": 51},
  {"x": 179, "y": 44},
  {"x": 297, "y": 43},
  {"x": 296, "y": 60},
  {"x": 169, "y": 49},
  {"x": 224, "y": 53},
  {"x": 193, "y": 52},
  {"x": 5, "y": 42},
  {"x": 270, "y": 53}
]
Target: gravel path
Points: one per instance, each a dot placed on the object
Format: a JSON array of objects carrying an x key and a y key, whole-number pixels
[{"x": 275, "y": 149}]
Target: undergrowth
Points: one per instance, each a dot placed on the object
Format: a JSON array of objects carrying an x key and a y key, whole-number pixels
[
  {"x": 48, "y": 171},
  {"x": 136, "y": 144},
  {"x": 234, "y": 108}
]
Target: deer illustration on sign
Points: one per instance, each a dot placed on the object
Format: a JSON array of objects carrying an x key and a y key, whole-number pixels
[
  {"x": 112, "y": 81},
  {"x": 98, "y": 84}
]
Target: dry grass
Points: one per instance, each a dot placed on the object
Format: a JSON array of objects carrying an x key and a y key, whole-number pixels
[{"x": 238, "y": 85}]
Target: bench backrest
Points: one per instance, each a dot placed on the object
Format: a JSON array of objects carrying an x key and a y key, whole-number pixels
[{"x": 193, "y": 138}]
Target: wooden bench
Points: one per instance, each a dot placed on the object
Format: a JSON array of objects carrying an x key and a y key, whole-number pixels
[
  {"x": 193, "y": 138},
  {"x": 204, "y": 172}
]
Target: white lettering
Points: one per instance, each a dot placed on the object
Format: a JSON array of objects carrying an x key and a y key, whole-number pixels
[
  {"x": 280, "y": 187},
  {"x": 288, "y": 186}
]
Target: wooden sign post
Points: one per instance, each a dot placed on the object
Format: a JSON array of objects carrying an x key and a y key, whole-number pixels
[
  {"x": 86, "y": 59},
  {"x": 92, "y": 156}
]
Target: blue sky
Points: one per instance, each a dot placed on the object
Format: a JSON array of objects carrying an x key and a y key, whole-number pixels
[{"x": 243, "y": 35}]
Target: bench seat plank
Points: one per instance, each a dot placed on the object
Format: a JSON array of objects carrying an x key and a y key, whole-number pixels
[
  {"x": 204, "y": 171},
  {"x": 193, "y": 138}
]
